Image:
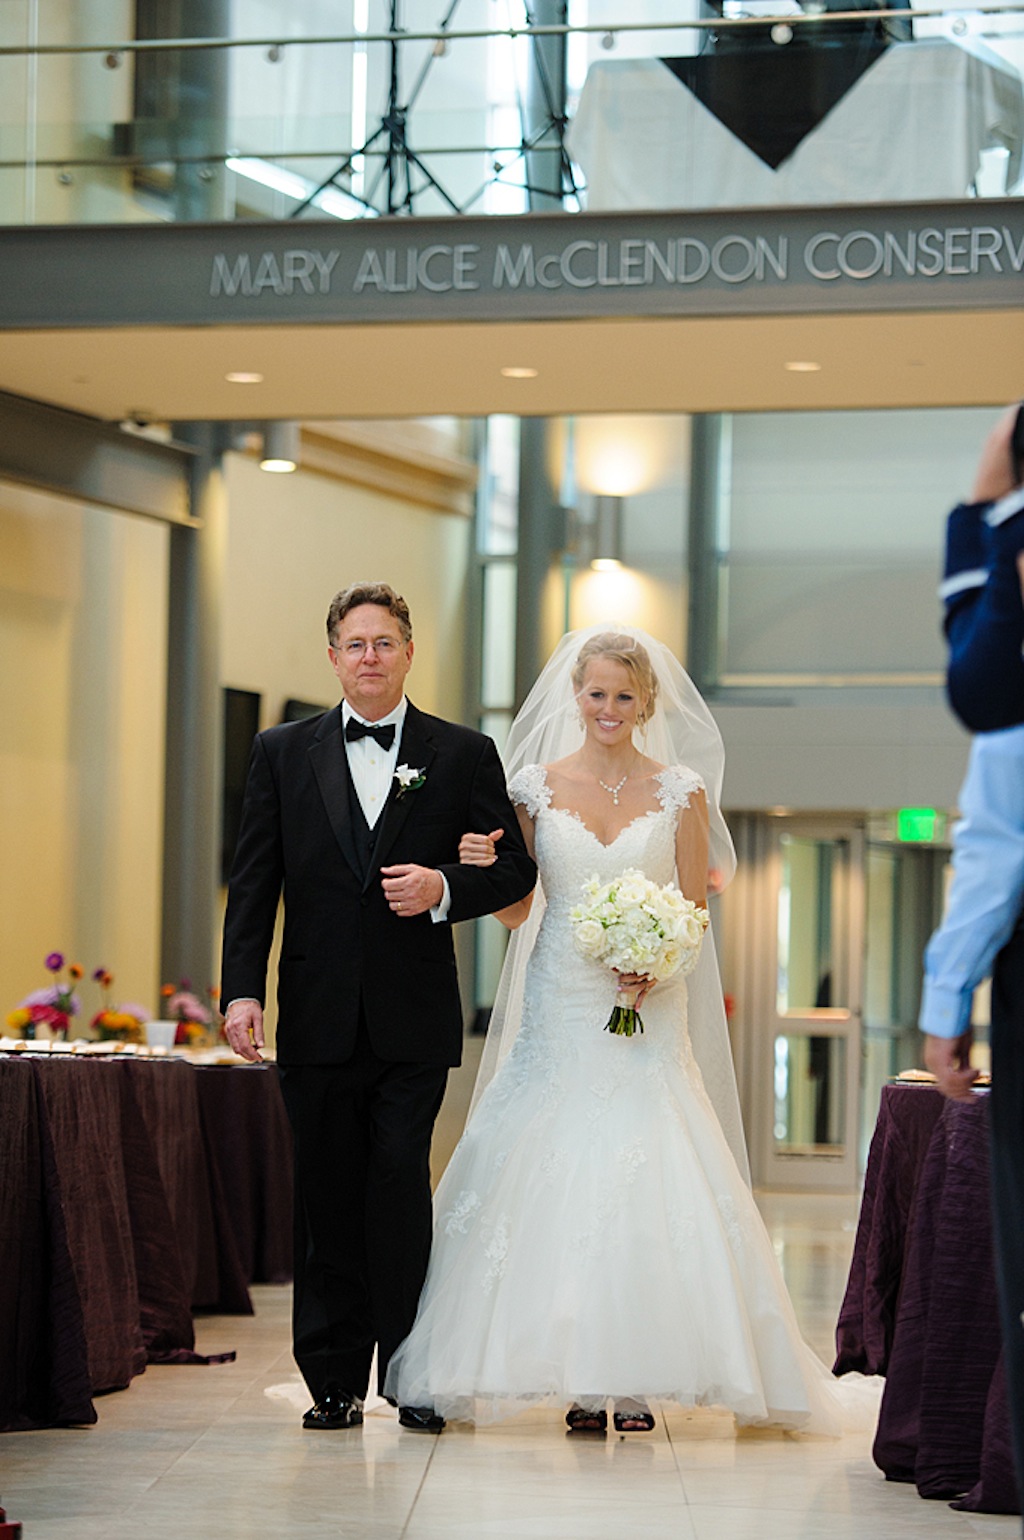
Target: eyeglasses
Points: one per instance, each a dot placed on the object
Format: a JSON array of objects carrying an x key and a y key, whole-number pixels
[{"x": 383, "y": 646}]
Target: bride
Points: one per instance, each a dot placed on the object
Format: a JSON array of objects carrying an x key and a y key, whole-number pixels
[{"x": 595, "y": 1235}]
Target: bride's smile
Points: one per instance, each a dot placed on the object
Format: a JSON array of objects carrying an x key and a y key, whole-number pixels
[{"x": 608, "y": 703}]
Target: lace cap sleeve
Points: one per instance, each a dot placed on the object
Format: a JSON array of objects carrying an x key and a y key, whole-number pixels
[
  {"x": 529, "y": 787},
  {"x": 676, "y": 784}
]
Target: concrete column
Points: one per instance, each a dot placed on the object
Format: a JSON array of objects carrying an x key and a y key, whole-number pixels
[
  {"x": 181, "y": 101},
  {"x": 545, "y": 107},
  {"x": 194, "y": 751},
  {"x": 200, "y": 187},
  {"x": 710, "y": 493},
  {"x": 538, "y": 494},
  {"x": 539, "y": 515}
]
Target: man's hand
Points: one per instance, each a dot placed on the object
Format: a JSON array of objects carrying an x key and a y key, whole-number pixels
[
  {"x": 412, "y": 890},
  {"x": 995, "y": 474},
  {"x": 948, "y": 1059},
  {"x": 243, "y": 1028}
]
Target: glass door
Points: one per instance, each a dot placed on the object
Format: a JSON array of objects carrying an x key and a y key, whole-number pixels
[{"x": 814, "y": 1010}]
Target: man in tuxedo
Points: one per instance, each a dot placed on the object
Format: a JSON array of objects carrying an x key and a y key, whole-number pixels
[{"x": 356, "y": 817}]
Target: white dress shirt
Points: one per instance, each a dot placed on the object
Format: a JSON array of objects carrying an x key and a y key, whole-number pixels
[{"x": 373, "y": 769}]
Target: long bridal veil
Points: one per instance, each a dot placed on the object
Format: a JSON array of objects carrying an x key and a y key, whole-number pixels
[{"x": 681, "y": 730}]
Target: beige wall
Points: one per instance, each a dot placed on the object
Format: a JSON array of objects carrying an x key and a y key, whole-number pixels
[
  {"x": 293, "y": 541},
  {"x": 83, "y": 622},
  {"x": 82, "y": 642}
]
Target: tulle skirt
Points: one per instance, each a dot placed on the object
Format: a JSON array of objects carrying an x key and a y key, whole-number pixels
[{"x": 594, "y": 1239}]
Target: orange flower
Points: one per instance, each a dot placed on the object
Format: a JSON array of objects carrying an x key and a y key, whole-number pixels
[
  {"x": 166, "y": 991},
  {"x": 75, "y": 970}
]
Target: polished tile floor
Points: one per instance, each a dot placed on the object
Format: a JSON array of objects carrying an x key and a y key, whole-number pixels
[{"x": 206, "y": 1453}]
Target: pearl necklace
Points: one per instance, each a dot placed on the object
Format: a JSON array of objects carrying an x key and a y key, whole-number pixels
[{"x": 614, "y": 790}]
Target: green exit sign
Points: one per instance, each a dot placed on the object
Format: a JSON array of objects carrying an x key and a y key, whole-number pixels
[{"x": 920, "y": 825}]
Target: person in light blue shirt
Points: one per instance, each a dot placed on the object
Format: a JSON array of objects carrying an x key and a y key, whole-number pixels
[
  {"x": 984, "y": 925},
  {"x": 985, "y": 901}
]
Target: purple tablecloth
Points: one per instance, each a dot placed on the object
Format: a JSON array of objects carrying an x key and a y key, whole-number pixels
[
  {"x": 920, "y": 1305},
  {"x": 249, "y": 1146},
  {"x": 124, "y": 1206}
]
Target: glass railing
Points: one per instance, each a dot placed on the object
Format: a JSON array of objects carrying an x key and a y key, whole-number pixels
[{"x": 355, "y": 108}]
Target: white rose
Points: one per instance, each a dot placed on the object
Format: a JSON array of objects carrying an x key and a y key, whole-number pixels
[
  {"x": 690, "y": 959},
  {"x": 669, "y": 960},
  {"x": 589, "y": 936},
  {"x": 633, "y": 889},
  {"x": 693, "y": 930}
]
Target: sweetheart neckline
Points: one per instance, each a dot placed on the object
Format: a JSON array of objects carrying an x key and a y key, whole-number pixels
[{"x": 652, "y": 812}]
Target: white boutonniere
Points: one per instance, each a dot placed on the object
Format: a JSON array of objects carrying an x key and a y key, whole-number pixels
[{"x": 408, "y": 780}]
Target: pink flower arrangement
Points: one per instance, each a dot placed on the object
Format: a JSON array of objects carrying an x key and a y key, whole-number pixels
[
  {"x": 52, "y": 1006},
  {"x": 186, "y": 1008}
]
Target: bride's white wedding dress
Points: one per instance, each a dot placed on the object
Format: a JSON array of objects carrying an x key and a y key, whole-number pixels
[{"x": 593, "y": 1235}]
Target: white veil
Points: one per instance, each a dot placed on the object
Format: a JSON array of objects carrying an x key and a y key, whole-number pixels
[{"x": 680, "y": 731}]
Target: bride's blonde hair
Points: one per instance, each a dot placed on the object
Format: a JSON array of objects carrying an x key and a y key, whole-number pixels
[{"x": 633, "y": 656}]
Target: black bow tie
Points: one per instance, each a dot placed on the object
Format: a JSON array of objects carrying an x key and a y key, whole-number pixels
[{"x": 384, "y": 733}]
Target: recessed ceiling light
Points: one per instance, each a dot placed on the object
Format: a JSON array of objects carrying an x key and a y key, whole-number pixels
[
  {"x": 519, "y": 372},
  {"x": 802, "y": 366},
  {"x": 244, "y": 377}
]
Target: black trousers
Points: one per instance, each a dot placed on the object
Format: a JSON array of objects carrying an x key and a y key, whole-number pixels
[
  {"x": 362, "y": 1135},
  {"x": 1007, "y": 1112}
]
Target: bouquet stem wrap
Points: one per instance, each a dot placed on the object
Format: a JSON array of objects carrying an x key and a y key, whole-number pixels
[{"x": 624, "y": 1020}]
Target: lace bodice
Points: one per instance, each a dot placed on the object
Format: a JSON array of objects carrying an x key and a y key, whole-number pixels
[{"x": 568, "y": 852}]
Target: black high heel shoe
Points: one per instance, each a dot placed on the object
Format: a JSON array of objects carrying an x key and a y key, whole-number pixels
[
  {"x": 580, "y": 1421},
  {"x": 633, "y": 1422}
]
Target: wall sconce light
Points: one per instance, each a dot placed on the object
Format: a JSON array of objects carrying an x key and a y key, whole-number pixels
[
  {"x": 606, "y": 549},
  {"x": 280, "y": 447},
  {"x": 593, "y": 533}
]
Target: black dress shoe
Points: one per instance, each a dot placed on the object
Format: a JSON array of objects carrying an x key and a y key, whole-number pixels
[
  {"x": 335, "y": 1409},
  {"x": 421, "y": 1419}
]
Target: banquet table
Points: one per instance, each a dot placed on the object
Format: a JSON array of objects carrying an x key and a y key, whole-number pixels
[
  {"x": 920, "y": 1304},
  {"x": 912, "y": 127},
  {"x": 134, "y": 1191}
]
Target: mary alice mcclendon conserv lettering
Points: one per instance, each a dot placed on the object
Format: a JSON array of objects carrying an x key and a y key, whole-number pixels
[{"x": 824, "y": 256}]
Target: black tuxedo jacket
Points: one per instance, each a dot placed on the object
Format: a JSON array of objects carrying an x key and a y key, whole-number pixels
[{"x": 342, "y": 946}]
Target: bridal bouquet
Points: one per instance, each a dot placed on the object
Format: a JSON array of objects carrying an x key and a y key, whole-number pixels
[{"x": 634, "y": 926}]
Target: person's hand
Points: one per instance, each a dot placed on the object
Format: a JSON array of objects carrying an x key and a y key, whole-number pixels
[
  {"x": 948, "y": 1058},
  {"x": 479, "y": 849},
  {"x": 716, "y": 881},
  {"x": 411, "y": 890},
  {"x": 642, "y": 983},
  {"x": 995, "y": 475},
  {"x": 243, "y": 1028}
]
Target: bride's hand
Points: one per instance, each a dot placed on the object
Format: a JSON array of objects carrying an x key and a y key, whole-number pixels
[
  {"x": 479, "y": 849},
  {"x": 641, "y": 982}
]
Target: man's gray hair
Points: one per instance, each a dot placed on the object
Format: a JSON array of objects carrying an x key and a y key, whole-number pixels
[{"x": 368, "y": 593}]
